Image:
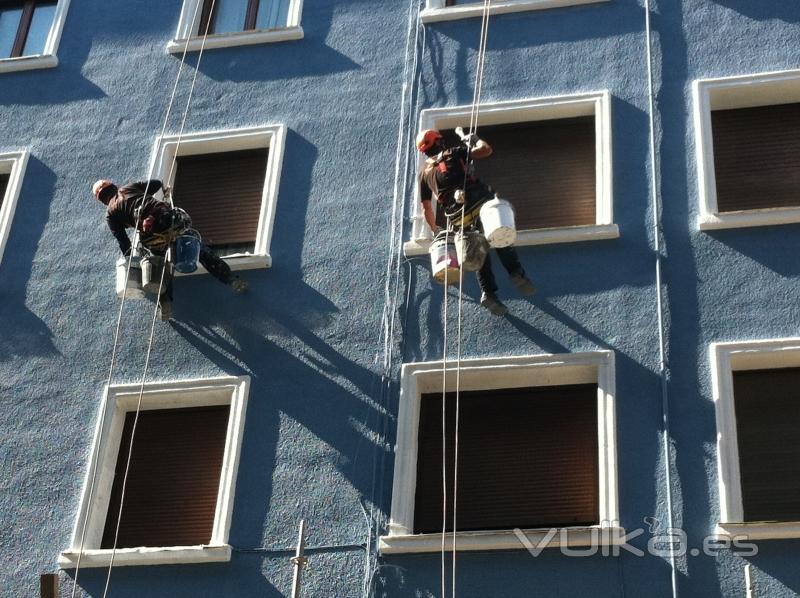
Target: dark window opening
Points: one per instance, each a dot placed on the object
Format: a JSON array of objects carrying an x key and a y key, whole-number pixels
[
  {"x": 25, "y": 26},
  {"x": 243, "y": 15},
  {"x": 767, "y": 404},
  {"x": 173, "y": 480},
  {"x": 756, "y": 161},
  {"x": 528, "y": 458},
  {"x": 4, "y": 178},
  {"x": 223, "y": 193}
]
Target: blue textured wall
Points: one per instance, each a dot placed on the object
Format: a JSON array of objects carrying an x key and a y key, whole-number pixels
[{"x": 308, "y": 330}]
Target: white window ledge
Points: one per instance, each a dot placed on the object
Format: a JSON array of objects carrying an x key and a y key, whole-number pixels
[
  {"x": 772, "y": 530},
  {"x": 570, "y": 234},
  {"x": 503, "y": 540},
  {"x": 236, "y": 38},
  {"x": 747, "y": 218},
  {"x": 433, "y": 14},
  {"x": 147, "y": 556},
  {"x": 28, "y": 63}
]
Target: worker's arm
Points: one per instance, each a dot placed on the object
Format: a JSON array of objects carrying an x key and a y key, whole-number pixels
[
  {"x": 117, "y": 227},
  {"x": 151, "y": 186},
  {"x": 430, "y": 217},
  {"x": 481, "y": 149}
]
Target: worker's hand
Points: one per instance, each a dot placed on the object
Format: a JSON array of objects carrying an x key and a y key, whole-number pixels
[
  {"x": 167, "y": 191},
  {"x": 470, "y": 139}
]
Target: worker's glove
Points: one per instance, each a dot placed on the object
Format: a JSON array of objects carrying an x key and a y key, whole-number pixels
[{"x": 470, "y": 139}]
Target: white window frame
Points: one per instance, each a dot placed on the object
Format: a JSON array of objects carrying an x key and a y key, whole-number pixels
[
  {"x": 118, "y": 401},
  {"x": 493, "y": 373},
  {"x": 435, "y": 10},
  {"x": 14, "y": 164},
  {"x": 187, "y": 37},
  {"x": 48, "y": 57},
  {"x": 209, "y": 142},
  {"x": 597, "y": 104},
  {"x": 744, "y": 91},
  {"x": 727, "y": 358}
]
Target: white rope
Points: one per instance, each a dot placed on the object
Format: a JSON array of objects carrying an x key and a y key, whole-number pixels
[
  {"x": 155, "y": 317},
  {"x": 93, "y": 460}
]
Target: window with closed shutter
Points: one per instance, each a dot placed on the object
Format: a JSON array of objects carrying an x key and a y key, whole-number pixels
[
  {"x": 757, "y": 157},
  {"x": 528, "y": 458},
  {"x": 767, "y": 404},
  {"x": 223, "y": 193},
  {"x": 173, "y": 479},
  {"x": 546, "y": 169}
]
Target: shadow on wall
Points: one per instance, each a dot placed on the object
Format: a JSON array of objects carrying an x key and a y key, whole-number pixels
[
  {"x": 764, "y": 11},
  {"x": 23, "y": 333}
]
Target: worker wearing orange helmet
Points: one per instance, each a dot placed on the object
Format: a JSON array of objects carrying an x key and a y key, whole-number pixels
[{"x": 447, "y": 176}]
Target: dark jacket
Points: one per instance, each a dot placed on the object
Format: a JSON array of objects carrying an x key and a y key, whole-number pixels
[{"x": 121, "y": 212}]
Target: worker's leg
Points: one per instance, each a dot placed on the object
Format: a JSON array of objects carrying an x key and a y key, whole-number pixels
[
  {"x": 510, "y": 260},
  {"x": 217, "y": 267},
  {"x": 488, "y": 286}
]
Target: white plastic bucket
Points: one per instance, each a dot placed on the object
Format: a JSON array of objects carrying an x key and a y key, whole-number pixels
[
  {"x": 152, "y": 267},
  {"x": 497, "y": 216},
  {"x": 444, "y": 260},
  {"x": 471, "y": 249},
  {"x": 134, "y": 289}
]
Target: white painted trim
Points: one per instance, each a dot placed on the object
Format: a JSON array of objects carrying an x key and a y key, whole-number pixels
[
  {"x": 725, "y": 359},
  {"x": 204, "y": 142},
  {"x": 48, "y": 58},
  {"x": 597, "y": 104},
  {"x": 187, "y": 32},
  {"x": 491, "y": 373},
  {"x": 435, "y": 10},
  {"x": 122, "y": 398},
  {"x": 743, "y": 91},
  {"x": 759, "y": 531},
  {"x": 13, "y": 163},
  {"x": 596, "y": 535}
]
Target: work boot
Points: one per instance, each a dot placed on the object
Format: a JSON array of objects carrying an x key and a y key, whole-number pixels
[
  {"x": 524, "y": 286},
  {"x": 165, "y": 310},
  {"x": 493, "y": 304},
  {"x": 239, "y": 285}
]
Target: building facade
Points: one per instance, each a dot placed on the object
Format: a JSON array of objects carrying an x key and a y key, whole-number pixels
[{"x": 628, "y": 430}]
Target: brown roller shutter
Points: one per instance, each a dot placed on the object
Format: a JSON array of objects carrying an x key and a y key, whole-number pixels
[
  {"x": 768, "y": 430},
  {"x": 546, "y": 169},
  {"x": 4, "y": 178},
  {"x": 528, "y": 458},
  {"x": 757, "y": 157},
  {"x": 174, "y": 477},
  {"x": 222, "y": 192}
]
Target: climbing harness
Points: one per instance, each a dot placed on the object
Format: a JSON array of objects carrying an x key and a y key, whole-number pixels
[{"x": 95, "y": 456}]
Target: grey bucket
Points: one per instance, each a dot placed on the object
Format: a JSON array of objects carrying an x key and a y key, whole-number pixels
[{"x": 472, "y": 248}]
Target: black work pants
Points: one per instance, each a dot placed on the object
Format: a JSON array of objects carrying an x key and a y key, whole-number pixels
[
  {"x": 215, "y": 265},
  {"x": 508, "y": 257}
]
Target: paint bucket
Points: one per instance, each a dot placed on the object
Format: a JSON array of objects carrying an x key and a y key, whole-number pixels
[
  {"x": 497, "y": 216},
  {"x": 133, "y": 289},
  {"x": 187, "y": 250},
  {"x": 444, "y": 259},
  {"x": 471, "y": 249},
  {"x": 152, "y": 269}
]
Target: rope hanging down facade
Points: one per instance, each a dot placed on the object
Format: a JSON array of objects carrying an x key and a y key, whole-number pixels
[
  {"x": 473, "y": 128},
  {"x": 95, "y": 455}
]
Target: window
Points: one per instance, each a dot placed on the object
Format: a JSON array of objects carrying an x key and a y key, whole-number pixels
[
  {"x": 758, "y": 437},
  {"x": 180, "y": 486},
  {"x": 236, "y": 22},
  {"x": 446, "y": 10},
  {"x": 564, "y": 476},
  {"x": 12, "y": 168},
  {"x": 30, "y": 31},
  {"x": 228, "y": 182},
  {"x": 552, "y": 160},
  {"x": 746, "y": 129}
]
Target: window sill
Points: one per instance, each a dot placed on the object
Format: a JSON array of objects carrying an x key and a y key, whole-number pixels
[
  {"x": 238, "y": 38},
  {"x": 124, "y": 557},
  {"x": 766, "y": 217},
  {"x": 452, "y": 13},
  {"x": 28, "y": 63},
  {"x": 238, "y": 262},
  {"x": 503, "y": 540},
  {"x": 760, "y": 530},
  {"x": 572, "y": 234}
]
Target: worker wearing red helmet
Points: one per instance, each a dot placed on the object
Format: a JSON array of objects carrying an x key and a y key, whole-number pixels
[
  {"x": 447, "y": 176},
  {"x": 133, "y": 206}
]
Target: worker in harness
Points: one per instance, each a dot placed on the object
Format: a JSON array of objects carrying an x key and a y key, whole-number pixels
[
  {"x": 159, "y": 224},
  {"x": 443, "y": 177}
]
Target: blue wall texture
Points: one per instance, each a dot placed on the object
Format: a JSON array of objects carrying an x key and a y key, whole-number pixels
[{"x": 321, "y": 422}]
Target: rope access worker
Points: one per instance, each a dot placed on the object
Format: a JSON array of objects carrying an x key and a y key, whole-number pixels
[
  {"x": 158, "y": 225},
  {"x": 443, "y": 177}
]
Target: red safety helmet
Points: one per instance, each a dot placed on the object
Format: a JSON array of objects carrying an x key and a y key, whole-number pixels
[{"x": 427, "y": 139}]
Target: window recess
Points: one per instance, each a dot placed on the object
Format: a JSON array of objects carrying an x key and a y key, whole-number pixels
[
  {"x": 30, "y": 31},
  {"x": 447, "y": 10}
]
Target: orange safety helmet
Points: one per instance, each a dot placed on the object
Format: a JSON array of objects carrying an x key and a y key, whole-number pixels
[{"x": 427, "y": 139}]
